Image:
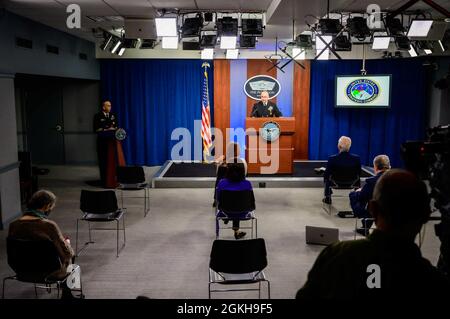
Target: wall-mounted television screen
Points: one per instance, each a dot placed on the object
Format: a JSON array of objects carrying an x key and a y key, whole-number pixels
[{"x": 363, "y": 91}]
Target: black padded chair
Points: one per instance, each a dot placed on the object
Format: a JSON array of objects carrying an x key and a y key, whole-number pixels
[
  {"x": 238, "y": 262},
  {"x": 100, "y": 207},
  {"x": 343, "y": 180},
  {"x": 236, "y": 205},
  {"x": 132, "y": 178},
  {"x": 34, "y": 261}
]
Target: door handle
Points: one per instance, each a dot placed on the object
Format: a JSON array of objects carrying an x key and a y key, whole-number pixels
[{"x": 58, "y": 128}]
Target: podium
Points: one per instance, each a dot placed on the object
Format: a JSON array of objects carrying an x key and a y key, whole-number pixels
[
  {"x": 113, "y": 155},
  {"x": 283, "y": 145}
]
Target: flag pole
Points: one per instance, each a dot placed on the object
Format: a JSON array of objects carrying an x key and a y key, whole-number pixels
[{"x": 206, "y": 146}]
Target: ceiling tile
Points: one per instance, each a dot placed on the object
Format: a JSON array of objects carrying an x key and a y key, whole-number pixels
[
  {"x": 180, "y": 4},
  {"x": 134, "y": 8},
  {"x": 92, "y": 7}
]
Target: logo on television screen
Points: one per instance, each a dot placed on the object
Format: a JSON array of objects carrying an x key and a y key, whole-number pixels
[
  {"x": 362, "y": 91},
  {"x": 256, "y": 84}
]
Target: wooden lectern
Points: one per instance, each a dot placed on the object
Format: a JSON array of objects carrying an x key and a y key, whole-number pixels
[
  {"x": 114, "y": 157},
  {"x": 284, "y": 145}
]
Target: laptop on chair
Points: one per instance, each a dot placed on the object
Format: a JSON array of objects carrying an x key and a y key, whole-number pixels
[{"x": 321, "y": 235}]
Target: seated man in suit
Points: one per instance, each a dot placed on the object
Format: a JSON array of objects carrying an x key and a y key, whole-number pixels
[
  {"x": 265, "y": 108},
  {"x": 387, "y": 264},
  {"x": 361, "y": 197},
  {"x": 343, "y": 161}
]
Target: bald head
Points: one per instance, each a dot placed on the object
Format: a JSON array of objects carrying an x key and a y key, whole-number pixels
[
  {"x": 264, "y": 96},
  {"x": 381, "y": 163},
  {"x": 400, "y": 201},
  {"x": 344, "y": 144}
]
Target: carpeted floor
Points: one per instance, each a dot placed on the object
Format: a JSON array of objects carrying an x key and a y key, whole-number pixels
[{"x": 167, "y": 252}]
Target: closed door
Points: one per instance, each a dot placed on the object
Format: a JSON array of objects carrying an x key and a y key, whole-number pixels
[{"x": 45, "y": 124}]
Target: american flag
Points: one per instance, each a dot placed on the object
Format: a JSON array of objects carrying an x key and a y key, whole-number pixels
[{"x": 206, "y": 115}]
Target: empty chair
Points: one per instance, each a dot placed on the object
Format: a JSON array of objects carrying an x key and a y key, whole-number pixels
[
  {"x": 238, "y": 262},
  {"x": 37, "y": 262},
  {"x": 236, "y": 206},
  {"x": 132, "y": 178},
  {"x": 342, "y": 180},
  {"x": 100, "y": 206}
]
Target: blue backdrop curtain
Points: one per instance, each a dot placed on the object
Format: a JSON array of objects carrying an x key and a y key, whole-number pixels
[
  {"x": 373, "y": 131},
  {"x": 151, "y": 99}
]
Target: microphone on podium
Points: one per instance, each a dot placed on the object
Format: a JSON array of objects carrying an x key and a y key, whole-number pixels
[{"x": 270, "y": 110}]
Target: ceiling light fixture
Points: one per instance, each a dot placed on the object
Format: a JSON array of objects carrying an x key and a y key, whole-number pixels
[
  {"x": 412, "y": 52},
  {"x": 192, "y": 26},
  {"x": 247, "y": 42},
  {"x": 419, "y": 28},
  {"x": 358, "y": 28},
  {"x": 252, "y": 27},
  {"x": 116, "y": 46},
  {"x": 208, "y": 41},
  {"x": 232, "y": 54},
  {"x": 166, "y": 27},
  {"x": 169, "y": 43},
  {"x": 227, "y": 42},
  {"x": 299, "y": 53},
  {"x": 207, "y": 54},
  {"x": 381, "y": 43}
]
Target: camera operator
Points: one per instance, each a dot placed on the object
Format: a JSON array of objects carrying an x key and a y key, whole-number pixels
[{"x": 430, "y": 160}]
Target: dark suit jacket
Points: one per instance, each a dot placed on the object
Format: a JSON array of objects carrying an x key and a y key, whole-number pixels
[
  {"x": 340, "y": 273},
  {"x": 359, "y": 200},
  {"x": 342, "y": 161},
  {"x": 259, "y": 110},
  {"x": 103, "y": 122}
]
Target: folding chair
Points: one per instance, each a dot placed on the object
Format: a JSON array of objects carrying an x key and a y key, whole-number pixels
[
  {"x": 132, "y": 178},
  {"x": 364, "y": 220},
  {"x": 35, "y": 261},
  {"x": 236, "y": 205},
  {"x": 100, "y": 206},
  {"x": 238, "y": 262},
  {"x": 342, "y": 180}
]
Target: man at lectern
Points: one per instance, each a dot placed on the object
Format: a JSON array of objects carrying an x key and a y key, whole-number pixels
[
  {"x": 265, "y": 108},
  {"x": 104, "y": 121}
]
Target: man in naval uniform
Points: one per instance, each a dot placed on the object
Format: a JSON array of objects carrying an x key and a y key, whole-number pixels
[
  {"x": 104, "y": 121},
  {"x": 265, "y": 108}
]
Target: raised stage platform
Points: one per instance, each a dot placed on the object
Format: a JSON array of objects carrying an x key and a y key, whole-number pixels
[{"x": 199, "y": 175}]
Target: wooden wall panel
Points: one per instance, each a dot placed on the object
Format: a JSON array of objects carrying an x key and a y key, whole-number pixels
[
  {"x": 301, "y": 92},
  {"x": 222, "y": 96},
  {"x": 258, "y": 67}
]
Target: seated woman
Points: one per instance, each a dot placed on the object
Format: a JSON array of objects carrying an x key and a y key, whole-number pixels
[
  {"x": 35, "y": 225},
  {"x": 234, "y": 181},
  {"x": 231, "y": 156}
]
